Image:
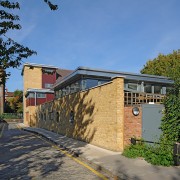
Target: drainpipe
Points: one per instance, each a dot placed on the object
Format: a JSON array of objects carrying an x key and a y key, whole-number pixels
[{"x": 35, "y": 98}]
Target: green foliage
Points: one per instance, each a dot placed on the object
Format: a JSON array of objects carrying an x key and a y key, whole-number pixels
[
  {"x": 15, "y": 104},
  {"x": 171, "y": 120},
  {"x": 164, "y": 65},
  {"x": 52, "y": 6},
  {"x": 134, "y": 151},
  {"x": 11, "y": 116},
  {"x": 11, "y": 52},
  {"x": 157, "y": 154},
  {"x": 161, "y": 154}
]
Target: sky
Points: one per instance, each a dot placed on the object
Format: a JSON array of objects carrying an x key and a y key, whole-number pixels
[{"x": 120, "y": 35}]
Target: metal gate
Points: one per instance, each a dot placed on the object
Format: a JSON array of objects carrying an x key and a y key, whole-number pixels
[{"x": 151, "y": 121}]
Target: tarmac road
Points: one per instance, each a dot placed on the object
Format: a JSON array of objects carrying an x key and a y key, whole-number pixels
[{"x": 25, "y": 156}]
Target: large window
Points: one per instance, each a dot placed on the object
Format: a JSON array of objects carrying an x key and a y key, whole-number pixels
[
  {"x": 102, "y": 82},
  {"x": 31, "y": 95},
  {"x": 91, "y": 83},
  {"x": 48, "y": 85},
  {"x": 41, "y": 95},
  {"x": 157, "y": 89},
  {"x": 148, "y": 88},
  {"x": 133, "y": 86}
]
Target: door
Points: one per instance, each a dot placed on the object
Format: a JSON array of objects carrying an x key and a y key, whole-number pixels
[{"x": 151, "y": 121}]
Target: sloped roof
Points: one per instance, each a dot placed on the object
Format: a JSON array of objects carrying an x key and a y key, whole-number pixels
[{"x": 61, "y": 73}]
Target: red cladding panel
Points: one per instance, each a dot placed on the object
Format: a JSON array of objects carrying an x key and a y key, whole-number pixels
[
  {"x": 31, "y": 101},
  {"x": 48, "y": 78}
]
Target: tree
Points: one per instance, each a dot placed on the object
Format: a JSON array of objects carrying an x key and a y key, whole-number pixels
[
  {"x": 168, "y": 65},
  {"x": 15, "y": 104},
  {"x": 11, "y": 52},
  {"x": 164, "y": 65}
]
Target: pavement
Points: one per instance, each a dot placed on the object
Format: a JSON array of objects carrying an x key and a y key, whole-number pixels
[{"x": 109, "y": 161}]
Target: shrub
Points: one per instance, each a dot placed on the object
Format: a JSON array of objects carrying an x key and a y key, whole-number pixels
[
  {"x": 156, "y": 154},
  {"x": 134, "y": 151},
  {"x": 159, "y": 155}
]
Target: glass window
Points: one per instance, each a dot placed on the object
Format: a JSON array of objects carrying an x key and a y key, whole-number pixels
[
  {"x": 102, "y": 82},
  {"x": 83, "y": 84},
  {"x": 31, "y": 95},
  {"x": 91, "y": 83},
  {"x": 148, "y": 88},
  {"x": 157, "y": 89},
  {"x": 63, "y": 92},
  {"x": 48, "y": 85},
  {"x": 132, "y": 86},
  {"x": 67, "y": 89},
  {"x": 72, "y": 88},
  {"x": 57, "y": 94},
  {"x": 41, "y": 95},
  {"x": 44, "y": 116},
  {"x": 57, "y": 116}
]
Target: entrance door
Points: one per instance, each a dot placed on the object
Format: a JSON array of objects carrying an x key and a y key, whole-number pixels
[{"x": 151, "y": 121}]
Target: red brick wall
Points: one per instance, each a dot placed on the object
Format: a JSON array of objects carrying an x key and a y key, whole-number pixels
[{"x": 132, "y": 125}]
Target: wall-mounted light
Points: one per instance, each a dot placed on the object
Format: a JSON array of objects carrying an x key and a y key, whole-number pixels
[{"x": 135, "y": 111}]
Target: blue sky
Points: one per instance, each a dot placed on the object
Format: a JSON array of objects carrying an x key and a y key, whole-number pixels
[{"x": 116, "y": 35}]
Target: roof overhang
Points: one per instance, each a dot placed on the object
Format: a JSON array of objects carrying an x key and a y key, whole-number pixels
[
  {"x": 45, "y": 91},
  {"x": 84, "y": 71},
  {"x": 37, "y": 65}
]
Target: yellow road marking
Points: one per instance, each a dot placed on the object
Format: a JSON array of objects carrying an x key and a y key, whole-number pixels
[
  {"x": 75, "y": 159},
  {"x": 2, "y": 131}
]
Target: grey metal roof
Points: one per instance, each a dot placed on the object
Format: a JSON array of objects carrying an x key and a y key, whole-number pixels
[
  {"x": 37, "y": 65},
  {"x": 110, "y": 74},
  {"x": 39, "y": 90}
]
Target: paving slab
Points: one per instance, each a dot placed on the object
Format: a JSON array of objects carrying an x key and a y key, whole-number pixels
[{"x": 114, "y": 162}]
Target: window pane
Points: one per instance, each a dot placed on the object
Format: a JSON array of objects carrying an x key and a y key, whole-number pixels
[
  {"x": 91, "y": 83},
  {"x": 148, "y": 88},
  {"x": 102, "y": 82},
  {"x": 83, "y": 82},
  {"x": 31, "y": 95},
  {"x": 157, "y": 89},
  {"x": 132, "y": 86},
  {"x": 41, "y": 95},
  {"x": 48, "y": 85}
]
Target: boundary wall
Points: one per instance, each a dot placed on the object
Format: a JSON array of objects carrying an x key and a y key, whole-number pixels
[{"x": 98, "y": 115}]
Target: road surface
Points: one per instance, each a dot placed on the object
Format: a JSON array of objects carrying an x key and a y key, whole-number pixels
[{"x": 25, "y": 156}]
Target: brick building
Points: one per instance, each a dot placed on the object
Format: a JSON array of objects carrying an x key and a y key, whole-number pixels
[
  {"x": 104, "y": 108},
  {"x": 38, "y": 80}
]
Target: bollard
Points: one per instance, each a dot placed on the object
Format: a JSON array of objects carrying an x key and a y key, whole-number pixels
[
  {"x": 176, "y": 154},
  {"x": 133, "y": 141}
]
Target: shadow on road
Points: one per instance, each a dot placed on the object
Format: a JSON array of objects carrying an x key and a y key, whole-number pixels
[{"x": 23, "y": 156}]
